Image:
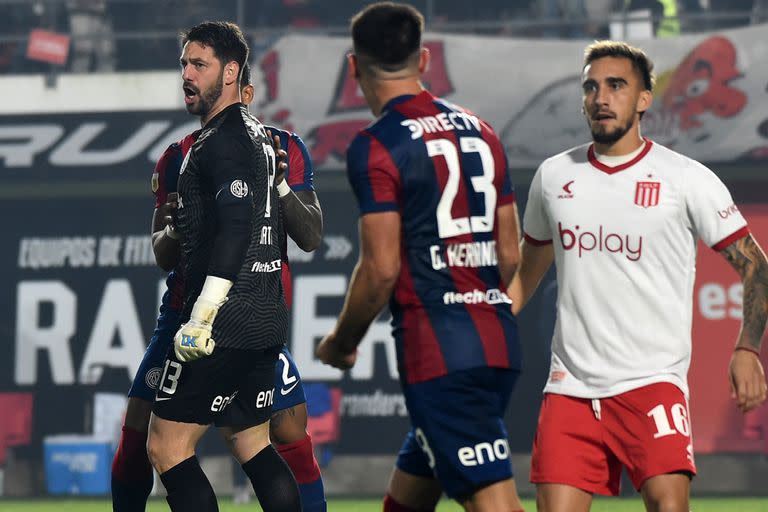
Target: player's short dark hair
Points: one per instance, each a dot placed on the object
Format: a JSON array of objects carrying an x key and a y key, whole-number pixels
[
  {"x": 225, "y": 38},
  {"x": 245, "y": 75},
  {"x": 387, "y": 35},
  {"x": 640, "y": 61}
]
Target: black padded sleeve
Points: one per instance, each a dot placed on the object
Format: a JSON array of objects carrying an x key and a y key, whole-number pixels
[{"x": 229, "y": 169}]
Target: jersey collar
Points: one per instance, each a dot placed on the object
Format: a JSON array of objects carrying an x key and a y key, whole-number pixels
[
  {"x": 611, "y": 170},
  {"x": 402, "y": 99}
]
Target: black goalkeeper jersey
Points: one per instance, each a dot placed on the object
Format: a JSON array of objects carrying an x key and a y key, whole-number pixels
[{"x": 233, "y": 157}]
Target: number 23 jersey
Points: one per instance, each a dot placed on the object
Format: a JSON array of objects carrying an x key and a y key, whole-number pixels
[{"x": 444, "y": 171}]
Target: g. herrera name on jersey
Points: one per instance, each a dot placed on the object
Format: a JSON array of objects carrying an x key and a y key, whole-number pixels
[{"x": 471, "y": 254}]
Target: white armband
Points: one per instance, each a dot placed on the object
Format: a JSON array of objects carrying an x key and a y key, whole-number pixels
[{"x": 283, "y": 189}]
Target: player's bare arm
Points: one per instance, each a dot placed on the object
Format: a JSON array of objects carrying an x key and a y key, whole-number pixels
[
  {"x": 507, "y": 245},
  {"x": 165, "y": 238},
  {"x": 746, "y": 372},
  {"x": 535, "y": 260},
  {"x": 370, "y": 287},
  {"x": 749, "y": 260},
  {"x": 303, "y": 216}
]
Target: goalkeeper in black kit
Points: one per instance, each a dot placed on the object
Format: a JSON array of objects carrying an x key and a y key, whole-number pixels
[{"x": 231, "y": 234}]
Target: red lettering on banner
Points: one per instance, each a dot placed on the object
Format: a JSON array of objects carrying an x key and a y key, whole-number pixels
[
  {"x": 270, "y": 66},
  {"x": 48, "y": 46},
  {"x": 333, "y": 139},
  {"x": 347, "y": 95},
  {"x": 436, "y": 77}
]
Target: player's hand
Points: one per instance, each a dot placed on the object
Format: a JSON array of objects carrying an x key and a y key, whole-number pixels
[
  {"x": 748, "y": 386},
  {"x": 193, "y": 341},
  {"x": 333, "y": 353},
  {"x": 282, "y": 158},
  {"x": 168, "y": 210},
  {"x": 167, "y": 213}
]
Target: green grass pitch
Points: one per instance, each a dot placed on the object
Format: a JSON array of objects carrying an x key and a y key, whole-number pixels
[{"x": 600, "y": 505}]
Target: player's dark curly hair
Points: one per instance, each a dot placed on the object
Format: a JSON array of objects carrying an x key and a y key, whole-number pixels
[
  {"x": 639, "y": 59},
  {"x": 387, "y": 35},
  {"x": 225, "y": 38}
]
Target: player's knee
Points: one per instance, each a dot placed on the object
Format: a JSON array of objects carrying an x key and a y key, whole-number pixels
[
  {"x": 666, "y": 503},
  {"x": 156, "y": 452},
  {"x": 162, "y": 454}
]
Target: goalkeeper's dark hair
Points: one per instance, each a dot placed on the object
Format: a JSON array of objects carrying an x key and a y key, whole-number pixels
[
  {"x": 387, "y": 35},
  {"x": 225, "y": 39}
]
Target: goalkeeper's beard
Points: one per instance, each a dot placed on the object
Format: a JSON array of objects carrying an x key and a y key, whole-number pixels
[{"x": 207, "y": 98}]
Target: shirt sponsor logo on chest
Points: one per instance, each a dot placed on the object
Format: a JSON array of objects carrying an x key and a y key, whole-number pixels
[{"x": 600, "y": 240}]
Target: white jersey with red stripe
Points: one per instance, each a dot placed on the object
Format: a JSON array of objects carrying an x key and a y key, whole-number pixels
[{"x": 625, "y": 249}]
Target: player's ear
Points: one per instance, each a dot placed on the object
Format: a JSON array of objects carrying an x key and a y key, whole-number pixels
[
  {"x": 248, "y": 94},
  {"x": 354, "y": 70},
  {"x": 231, "y": 73},
  {"x": 424, "y": 58},
  {"x": 644, "y": 101}
]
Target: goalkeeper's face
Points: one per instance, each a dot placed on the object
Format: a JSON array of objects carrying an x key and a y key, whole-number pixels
[{"x": 203, "y": 75}]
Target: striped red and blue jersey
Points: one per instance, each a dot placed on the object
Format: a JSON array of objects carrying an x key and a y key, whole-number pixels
[
  {"x": 445, "y": 172},
  {"x": 299, "y": 177},
  {"x": 164, "y": 180}
]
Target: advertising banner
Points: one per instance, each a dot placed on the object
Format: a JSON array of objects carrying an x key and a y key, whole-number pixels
[{"x": 710, "y": 102}]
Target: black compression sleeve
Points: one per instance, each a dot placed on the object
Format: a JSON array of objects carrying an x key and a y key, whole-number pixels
[
  {"x": 234, "y": 205},
  {"x": 228, "y": 165}
]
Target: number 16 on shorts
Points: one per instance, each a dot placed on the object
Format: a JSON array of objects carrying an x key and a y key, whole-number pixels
[{"x": 661, "y": 417}]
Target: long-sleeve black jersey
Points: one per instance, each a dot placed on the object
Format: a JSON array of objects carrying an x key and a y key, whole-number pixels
[{"x": 232, "y": 228}]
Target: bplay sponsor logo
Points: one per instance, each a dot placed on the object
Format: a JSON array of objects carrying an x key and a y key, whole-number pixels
[
  {"x": 600, "y": 240},
  {"x": 731, "y": 210}
]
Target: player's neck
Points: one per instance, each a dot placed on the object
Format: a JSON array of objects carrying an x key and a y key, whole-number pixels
[
  {"x": 386, "y": 90},
  {"x": 630, "y": 142},
  {"x": 222, "y": 103}
]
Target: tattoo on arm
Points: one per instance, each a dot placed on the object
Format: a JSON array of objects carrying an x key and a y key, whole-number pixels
[{"x": 748, "y": 259}]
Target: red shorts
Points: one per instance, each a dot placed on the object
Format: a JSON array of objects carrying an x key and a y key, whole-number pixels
[{"x": 584, "y": 443}]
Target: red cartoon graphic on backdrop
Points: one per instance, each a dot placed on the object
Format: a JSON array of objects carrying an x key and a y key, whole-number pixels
[
  {"x": 348, "y": 112},
  {"x": 348, "y": 97},
  {"x": 702, "y": 83}
]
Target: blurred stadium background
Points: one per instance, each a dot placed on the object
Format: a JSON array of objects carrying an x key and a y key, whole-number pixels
[{"x": 92, "y": 96}]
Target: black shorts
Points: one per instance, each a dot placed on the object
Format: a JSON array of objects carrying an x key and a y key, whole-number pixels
[{"x": 229, "y": 388}]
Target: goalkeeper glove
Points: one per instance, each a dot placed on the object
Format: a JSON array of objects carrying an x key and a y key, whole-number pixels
[{"x": 193, "y": 339}]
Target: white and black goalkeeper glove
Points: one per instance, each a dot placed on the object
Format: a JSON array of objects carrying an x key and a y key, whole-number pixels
[{"x": 193, "y": 339}]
